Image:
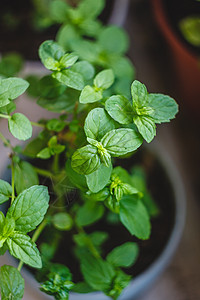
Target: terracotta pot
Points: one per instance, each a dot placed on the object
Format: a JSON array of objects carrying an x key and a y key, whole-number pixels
[{"x": 186, "y": 64}]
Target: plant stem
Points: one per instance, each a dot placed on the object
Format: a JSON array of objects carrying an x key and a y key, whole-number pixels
[
  {"x": 91, "y": 247},
  {"x": 44, "y": 173},
  {"x": 5, "y": 116},
  {"x": 13, "y": 182},
  {"x": 37, "y": 124},
  {"x": 5, "y": 141},
  {"x": 55, "y": 165},
  {"x": 34, "y": 239}
]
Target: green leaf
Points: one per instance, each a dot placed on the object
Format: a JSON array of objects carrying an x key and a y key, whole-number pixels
[
  {"x": 121, "y": 281},
  {"x": 10, "y": 64},
  {"x": 11, "y": 88},
  {"x": 20, "y": 126},
  {"x": 22, "y": 247},
  {"x": 98, "y": 123},
  {"x": 76, "y": 179},
  {"x": 62, "y": 221},
  {"x": 89, "y": 213},
  {"x": 68, "y": 60},
  {"x": 11, "y": 283},
  {"x": 121, "y": 141},
  {"x": 120, "y": 109},
  {"x": 85, "y": 160},
  {"x": 139, "y": 94},
  {"x": 114, "y": 39},
  {"x": 25, "y": 176},
  {"x": 70, "y": 79},
  {"x": 122, "y": 67},
  {"x": 164, "y": 107},
  {"x": 82, "y": 288},
  {"x": 44, "y": 153},
  {"x": 124, "y": 255},
  {"x": 97, "y": 273},
  {"x": 90, "y": 9},
  {"x": 58, "y": 283},
  {"x": 52, "y": 50},
  {"x": 90, "y": 95},
  {"x": 104, "y": 79},
  {"x": 55, "y": 125},
  {"x": 58, "y": 10},
  {"x": 134, "y": 216},
  {"x": 36, "y": 145},
  {"x": 29, "y": 208},
  {"x": 62, "y": 103},
  {"x": 8, "y": 109},
  {"x": 5, "y": 191},
  {"x": 99, "y": 179},
  {"x": 49, "y": 87},
  {"x": 190, "y": 28},
  {"x": 85, "y": 69},
  {"x": 146, "y": 127}
]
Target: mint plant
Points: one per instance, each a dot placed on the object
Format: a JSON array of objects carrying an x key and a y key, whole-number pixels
[{"x": 68, "y": 177}]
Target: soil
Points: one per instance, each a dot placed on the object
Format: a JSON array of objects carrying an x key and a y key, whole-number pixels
[
  {"x": 176, "y": 10},
  {"x": 17, "y": 33},
  {"x": 162, "y": 225}
]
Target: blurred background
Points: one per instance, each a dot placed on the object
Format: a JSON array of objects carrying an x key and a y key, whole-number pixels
[{"x": 165, "y": 50}]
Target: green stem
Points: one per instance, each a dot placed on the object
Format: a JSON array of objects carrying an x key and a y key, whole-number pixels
[
  {"x": 90, "y": 245},
  {"x": 5, "y": 116},
  {"x": 55, "y": 165},
  {"x": 5, "y": 141},
  {"x": 13, "y": 182},
  {"x": 44, "y": 173},
  {"x": 37, "y": 124},
  {"x": 34, "y": 238}
]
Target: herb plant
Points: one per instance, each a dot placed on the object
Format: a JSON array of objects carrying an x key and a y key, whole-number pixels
[{"x": 77, "y": 155}]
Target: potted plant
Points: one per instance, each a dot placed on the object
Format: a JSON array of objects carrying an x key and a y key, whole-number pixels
[
  {"x": 76, "y": 179},
  {"x": 179, "y": 24}
]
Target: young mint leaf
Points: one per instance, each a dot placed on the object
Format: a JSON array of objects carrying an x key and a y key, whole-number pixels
[
  {"x": 104, "y": 79},
  {"x": 50, "y": 50},
  {"x": 134, "y": 216},
  {"x": 44, "y": 153},
  {"x": 58, "y": 283},
  {"x": 58, "y": 11},
  {"x": 8, "y": 227},
  {"x": 8, "y": 109},
  {"x": 89, "y": 213},
  {"x": 120, "y": 109},
  {"x": 29, "y": 208},
  {"x": 5, "y": 191},
  {"x": 90, "y": 9},
  {"x": 22, "y": 247},
  {"x": 20, "y": 126},
  {"x": 10, "y": 64},
  {"x": 68, "y": 60},
  {"x": 146, "y": 127},
  {"x": 105, "y": 157},
  {"x": 70, "y": 78},
  {"x": 85, "y": 69},
  {"x": 139, "y": 94},
  {"x": 99, "y": 178},
  {"x": 11, "y": 88},
  {"x": 76, "y": 179},
  {"x": 114, "y": 39},
  {"x": 121, "y": 141},
  {"x": 11, "y": 283},
  {"x": 164, "y": 107},
  {"x": 49, "y": 87},
  {"x": 85, "y": 160},
  {"x": 25, "y": 176},
  {"x": 90, "y": 95},
  {"x": 124, "y": 255},
  {"x": 62, "y": 221},
  {"x": 55, "y": 125},
  {"x": 97, "y": 273},
  {"x": 120, "y": 282},
  {"x": 98, "y": 123}
]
